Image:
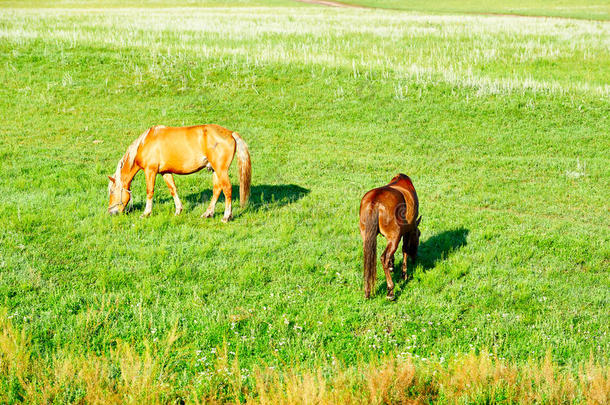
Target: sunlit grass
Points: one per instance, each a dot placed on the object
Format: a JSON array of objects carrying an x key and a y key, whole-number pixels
[{"x": 502, "y": 122}]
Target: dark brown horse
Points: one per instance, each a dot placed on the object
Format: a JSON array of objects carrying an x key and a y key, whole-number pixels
[{"x": 391, "y": 210}]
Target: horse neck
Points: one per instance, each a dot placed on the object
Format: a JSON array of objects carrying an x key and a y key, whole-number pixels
[{"x": 128, "y": 171}]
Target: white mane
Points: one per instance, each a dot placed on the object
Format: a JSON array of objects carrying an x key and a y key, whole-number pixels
[{"x": 129, "y": 156}]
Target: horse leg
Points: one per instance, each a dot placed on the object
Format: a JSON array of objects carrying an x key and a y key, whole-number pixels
[
  {"x": 225, "y": 183},
  {"x": 387, "y": 259},
  {"x": 150, "y": 190},
  {"x": 169, "y": 180},
  {"x": 215, "y": 194},
  {"x": 405, "y": 247}
]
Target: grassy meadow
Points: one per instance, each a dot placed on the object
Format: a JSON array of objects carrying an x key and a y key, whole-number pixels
[{"x": 502, "y": 123}]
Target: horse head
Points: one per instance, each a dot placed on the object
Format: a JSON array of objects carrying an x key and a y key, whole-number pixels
[{"x": 119, "y": 196}]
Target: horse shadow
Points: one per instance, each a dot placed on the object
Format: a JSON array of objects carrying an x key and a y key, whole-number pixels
[
  {"x": 436, "y": 248},
  {"x": 262, "y": 197}
]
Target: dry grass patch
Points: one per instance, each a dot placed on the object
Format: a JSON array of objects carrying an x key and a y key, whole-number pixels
[{"x": 127, "y": 375}]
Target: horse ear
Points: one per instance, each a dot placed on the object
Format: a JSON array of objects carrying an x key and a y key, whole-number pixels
[
  {"x": 112, "y": 179},
  {"x": 418, "y": 221}
]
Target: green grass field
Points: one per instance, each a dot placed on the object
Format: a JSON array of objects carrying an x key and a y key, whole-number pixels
[{"x": 502, "y": 122}]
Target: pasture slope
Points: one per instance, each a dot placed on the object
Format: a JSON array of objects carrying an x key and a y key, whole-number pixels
[{"x": 502, "y": 122}]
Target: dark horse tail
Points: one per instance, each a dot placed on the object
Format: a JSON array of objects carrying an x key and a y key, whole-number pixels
[{"x": 371, "y": 228}]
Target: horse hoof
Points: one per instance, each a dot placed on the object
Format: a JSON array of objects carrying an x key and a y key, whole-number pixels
[
  {"x": 207, "y": 215},
  {"x": 145, "y": 215},
  {"x": 227, "y": 219},
  {"x": 390, "y": 297}
]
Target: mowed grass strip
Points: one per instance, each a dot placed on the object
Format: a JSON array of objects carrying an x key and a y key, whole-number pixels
[
  {"x": 508, "y": 154},
  {"x": 585, "y": 9}
]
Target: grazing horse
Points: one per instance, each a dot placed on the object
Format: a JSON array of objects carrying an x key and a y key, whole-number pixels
[
  {"x": 182, "y": 150},
  {"x": 391, "y": 210}
]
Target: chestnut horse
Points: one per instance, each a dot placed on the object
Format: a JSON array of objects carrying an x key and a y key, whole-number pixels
[
  {"x": 391, "y": 210},
  {"x": 182, "y": 150}
]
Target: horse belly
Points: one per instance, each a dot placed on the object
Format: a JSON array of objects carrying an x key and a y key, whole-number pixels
[
  {"x": 180, "y": 152},
  {"x": 183, "y": 164}
]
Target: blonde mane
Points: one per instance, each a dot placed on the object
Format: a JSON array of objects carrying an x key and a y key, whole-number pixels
[{"x": 130, "y": 157}]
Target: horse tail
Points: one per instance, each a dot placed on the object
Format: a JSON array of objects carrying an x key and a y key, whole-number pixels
[
  {"x": 371, "y": 228},
  {"x": 245, "y": 169}
]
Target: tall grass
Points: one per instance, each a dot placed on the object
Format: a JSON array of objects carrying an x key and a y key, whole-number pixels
[
  {"x": 128, "y": 375},
  {"x": 464, "y": 51}
]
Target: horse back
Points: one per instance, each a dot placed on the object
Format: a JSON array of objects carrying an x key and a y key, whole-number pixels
[
  {"x": 185, "y": 150},
  {"x": 381, "y": 196},
  {"x": 393, "y": 205},
  {"x": 382, "y": 199}
]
